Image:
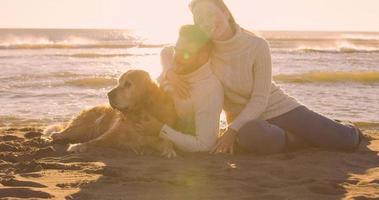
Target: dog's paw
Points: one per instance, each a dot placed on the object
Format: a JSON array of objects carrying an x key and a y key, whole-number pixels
[
  {"x": 47, "y": 140},
  {"x": 169, "y": 153},
  {"x": 77, "y": 148}
]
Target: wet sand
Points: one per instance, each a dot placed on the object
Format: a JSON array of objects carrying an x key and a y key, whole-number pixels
[{"x": 33, "y": 168}]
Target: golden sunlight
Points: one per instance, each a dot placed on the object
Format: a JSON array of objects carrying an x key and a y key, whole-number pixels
[{"x": 117, "y": 99}]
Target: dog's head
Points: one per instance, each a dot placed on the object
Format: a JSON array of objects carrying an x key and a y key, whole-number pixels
[{"x": 133, "y": 91}]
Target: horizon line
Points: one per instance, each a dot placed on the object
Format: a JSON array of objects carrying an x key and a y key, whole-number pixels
[{"x": 131, "y": 29}]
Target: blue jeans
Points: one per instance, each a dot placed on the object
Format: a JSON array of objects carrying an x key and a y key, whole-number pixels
[{"x": 271, "y": 136}]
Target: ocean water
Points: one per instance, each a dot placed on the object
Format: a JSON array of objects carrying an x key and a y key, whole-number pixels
[{"x": 48, "y": 75}]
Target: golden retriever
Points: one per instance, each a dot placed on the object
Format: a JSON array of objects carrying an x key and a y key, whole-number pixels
[{"x": 114, "y": 126}]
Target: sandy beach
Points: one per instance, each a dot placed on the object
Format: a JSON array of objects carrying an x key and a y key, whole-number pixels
[
  {"x": 32, "y": 168},
  {"x": 49, "y": 75}
]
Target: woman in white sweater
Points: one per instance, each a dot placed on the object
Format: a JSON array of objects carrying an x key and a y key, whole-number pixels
[
  {"x": 259, "y": 113},
  {"x": 197, "y": 126}
]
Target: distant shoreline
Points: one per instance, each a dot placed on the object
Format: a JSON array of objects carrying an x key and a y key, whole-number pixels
[{"x": 129, "y": 29}]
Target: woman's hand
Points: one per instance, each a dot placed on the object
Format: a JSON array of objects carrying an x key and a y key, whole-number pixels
[
  {"x": 149, "y": 125},
  {"x": 225, "y": 144},
  {"x": 180, "y": 87}
]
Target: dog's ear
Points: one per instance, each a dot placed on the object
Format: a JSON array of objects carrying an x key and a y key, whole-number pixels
[
  {"x": 152, "y": 86},
  {"x": 152, "y": 90},
  {"x": 147, "y": 87}
]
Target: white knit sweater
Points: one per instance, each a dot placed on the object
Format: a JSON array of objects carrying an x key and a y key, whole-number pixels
[
  {"x": 243, "y": 65},
  {"x": 198, "y": 116}
]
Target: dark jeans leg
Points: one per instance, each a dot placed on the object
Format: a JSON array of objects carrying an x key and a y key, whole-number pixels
[
  {"x": 317, "y": 130},
  {"x": 261, "y": 137}
]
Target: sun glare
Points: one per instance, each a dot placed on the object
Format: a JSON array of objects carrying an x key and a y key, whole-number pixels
[{"x": 167, "y": 15}]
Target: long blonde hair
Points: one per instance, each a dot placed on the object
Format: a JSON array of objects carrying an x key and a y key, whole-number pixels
[{"x": 221, "y": 5}]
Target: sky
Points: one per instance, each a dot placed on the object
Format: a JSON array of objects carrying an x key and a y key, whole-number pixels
[{"x": 150, "y": 15}]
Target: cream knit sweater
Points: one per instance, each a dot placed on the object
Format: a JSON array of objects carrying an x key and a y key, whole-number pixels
[
  {"x": 243, "y": 65},
  {"x": 199, "y": 116}
]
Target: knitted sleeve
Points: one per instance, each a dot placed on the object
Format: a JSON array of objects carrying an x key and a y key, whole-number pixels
[
  {"x": 207, "y": 107},
  {"x": 262, "y": 72}
]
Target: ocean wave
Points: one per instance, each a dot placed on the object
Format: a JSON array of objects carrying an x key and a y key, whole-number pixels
[
  {"x": 317, "y": 36},
  {"x": 367, "y": 124},
  {"x": 10, "y": 121},
  {"x": 368, "y": 37},
  {"x": 60, "y": 75},
  {"x": 82, "y": 55},
  {"x": 68, "y": 39},
  {"x": 92, "y": 82},
  {"x": 79, "y": 46},
  {"x": 339, "y": 47},
  {"x": 40, "y": 77},
  {"x": 99, "y": 55},
  {"x": 324, "y": 77},
  {"x": 323, "y": 40}
]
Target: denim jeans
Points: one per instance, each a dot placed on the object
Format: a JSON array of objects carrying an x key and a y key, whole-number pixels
[{"x": 271, "y": 136}]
